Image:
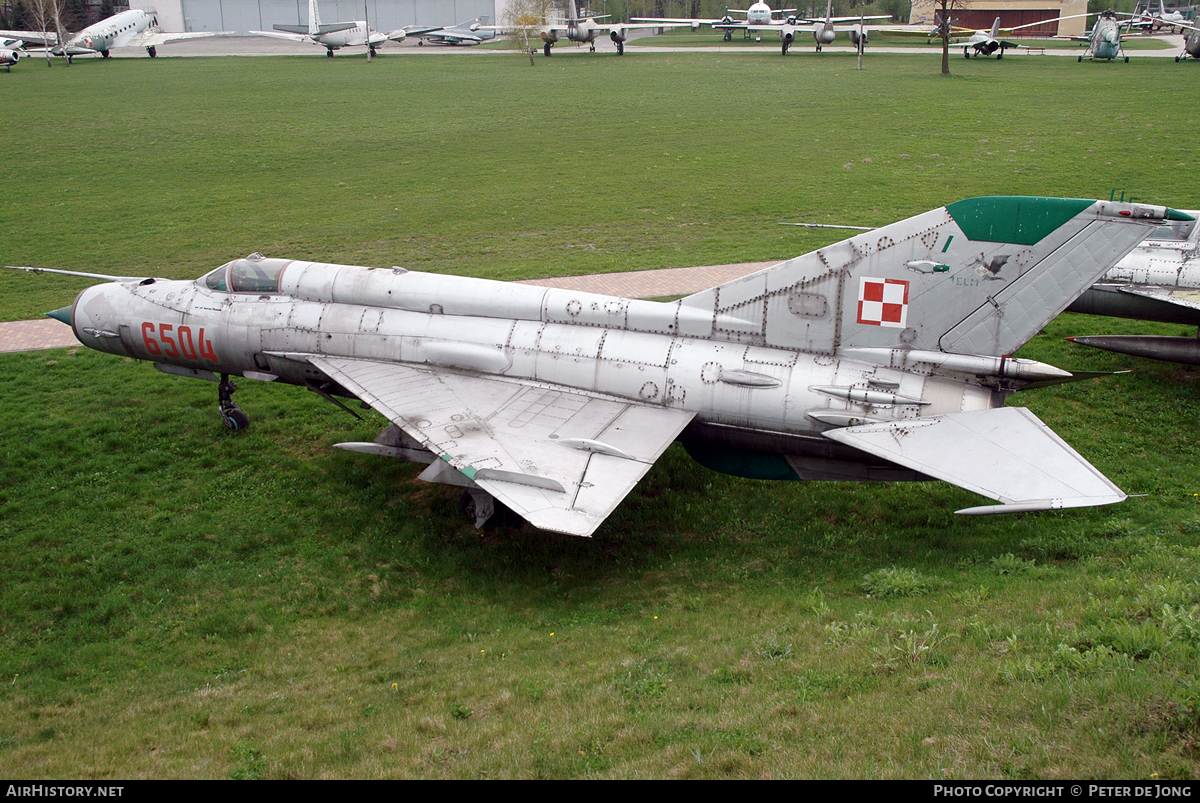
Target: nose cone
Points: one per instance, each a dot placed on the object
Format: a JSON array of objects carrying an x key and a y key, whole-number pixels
[{"x": 63, "y": 314}]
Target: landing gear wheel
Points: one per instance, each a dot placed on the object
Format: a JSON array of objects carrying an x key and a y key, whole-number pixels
[
  {"x": 547, "y": 50},
  {"x": 235, "y": 420},
  {"x": 153, "y": 51},
  {"x": 729, "y": 36},
  {"x": 329, "y": 52},
  {"x": 1000, "y": 55},
  {"x": 592, "y": 49},
  {"x": 1177, "y": 59},
  {"x": 372, "y": 49},
  {"x": 620, "y": 48},
  {"x": 785, "y": 47},
  {"x": 1127, "y": 59},
  {"x": 1081, "y": 59},
  {"x": 105, "y": 54},
  {"x": 420, "y": 43},
  {"x": 818, "y": 47},
  {"x": 478, "y": 505}
]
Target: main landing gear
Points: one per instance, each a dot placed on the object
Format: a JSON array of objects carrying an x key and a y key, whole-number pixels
[
  {"x": 152, "y": 51},
  {"x": 235, "y": 420},
  {"x": 620, "y": 48},
  {"x": 329, "y": 52},
  {"x": 546, "y": 50}
]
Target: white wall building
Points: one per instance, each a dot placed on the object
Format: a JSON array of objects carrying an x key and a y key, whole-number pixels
[{"x": 247, "y": 15}]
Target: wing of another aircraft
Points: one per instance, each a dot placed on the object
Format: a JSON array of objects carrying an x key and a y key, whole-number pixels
[
  {"x": 156, "y": 38},
  {"x": 1180, "y": 297},
  {"x": 292, "y": 37},
  {"x": 561, "y": 458},
  {"x": 45, "y": 38},
  {"x": 1005, "y": 453}
]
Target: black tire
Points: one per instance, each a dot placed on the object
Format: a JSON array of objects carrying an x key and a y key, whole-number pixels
[
  {"x": 329, "y": 53},
  {"x": 235, "y": 419},
  {"x": 1081, "y": 59},
  {"x": 620, "y": 48},
  {"x": 1127, "y": 59},
  {"x": 547, "y": 50},
  {"x": 152, "y": 51}
]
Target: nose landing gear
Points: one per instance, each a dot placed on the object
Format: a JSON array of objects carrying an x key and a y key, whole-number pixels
[{"x": 235, "y": 420}]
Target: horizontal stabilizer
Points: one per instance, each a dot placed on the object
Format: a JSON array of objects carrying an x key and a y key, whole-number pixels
[{"x": 1006, "y": 454}]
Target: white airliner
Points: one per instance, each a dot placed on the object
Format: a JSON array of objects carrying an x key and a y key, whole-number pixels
[
  {"x": 133, "y": 28},
  {"x": 334, "y": 35}
]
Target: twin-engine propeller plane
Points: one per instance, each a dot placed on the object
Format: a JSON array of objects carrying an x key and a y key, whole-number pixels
[
  {"x": 335, "y": 35},
  {"x": 881, "y": 357},
  {"x": 584, "y": 29},
  {"x": 133, "y": 28}
]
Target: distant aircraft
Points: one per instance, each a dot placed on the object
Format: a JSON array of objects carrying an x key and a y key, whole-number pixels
[
  {"x": 1171, "y": 19},
  {"x": 333, "y": 35},
  {"x": 10, "y": 52},
  {"x": 824, "y": 31},
  {"x": 759, "y": 13},
  {"x": 1158, "y": 281},
  {"x": 1191, "y": 43},
  {"x": 1104, "y": 39},
  {"x": 585, "y": 29},
  {"x": 133, "y": 28},
  {"x": 760, "y": 17},
  {"x": 882, "y": 357},
  {"x": 464, "y": 33}
]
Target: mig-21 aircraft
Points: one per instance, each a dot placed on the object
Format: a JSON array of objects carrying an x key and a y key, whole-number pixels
[
  {"x": 1158, "y": 281},
  {"x": 881, "y": 357}
]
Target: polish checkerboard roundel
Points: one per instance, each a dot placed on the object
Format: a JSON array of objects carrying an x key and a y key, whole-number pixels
[{"x": 883, "y": 302}]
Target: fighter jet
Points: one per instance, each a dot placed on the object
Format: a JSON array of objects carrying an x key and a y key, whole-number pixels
[
  {"x": 10, "y": 52},
  {"x": 133, "y": 28},
  {"x": 471, "y": 32},
  {"x": 1158, "y": 281},
  {"x": 881, "y": 357}
]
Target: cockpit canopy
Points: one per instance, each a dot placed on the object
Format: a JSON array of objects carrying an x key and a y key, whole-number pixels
[{"x": 254, "y": 274}]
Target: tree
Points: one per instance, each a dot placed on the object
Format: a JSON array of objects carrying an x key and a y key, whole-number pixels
[
  {"x": 46, "y": 17},
  {"x": 524, "y": 20},
  {"x": 945, "y": 28}
]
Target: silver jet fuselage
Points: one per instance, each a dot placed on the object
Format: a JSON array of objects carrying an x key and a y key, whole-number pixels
[{"x": 651, "y": 352}]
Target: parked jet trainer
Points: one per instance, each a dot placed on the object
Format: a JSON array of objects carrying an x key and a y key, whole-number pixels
[{"x": 881, "y": 357}]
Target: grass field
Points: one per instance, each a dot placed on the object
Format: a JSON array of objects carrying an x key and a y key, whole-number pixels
[{"x": 181, "y": 602}]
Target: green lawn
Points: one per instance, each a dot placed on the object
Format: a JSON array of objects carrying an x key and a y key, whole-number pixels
[{"x": 182, "y": 602}]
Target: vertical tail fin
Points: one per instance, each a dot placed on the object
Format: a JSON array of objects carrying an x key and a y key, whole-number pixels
[
  {"x": 995, "y": 27},
  {"x": 829, "y": 11},
  {"x": 314, "y": 18},
  {"x": 981, "y": 276}
]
